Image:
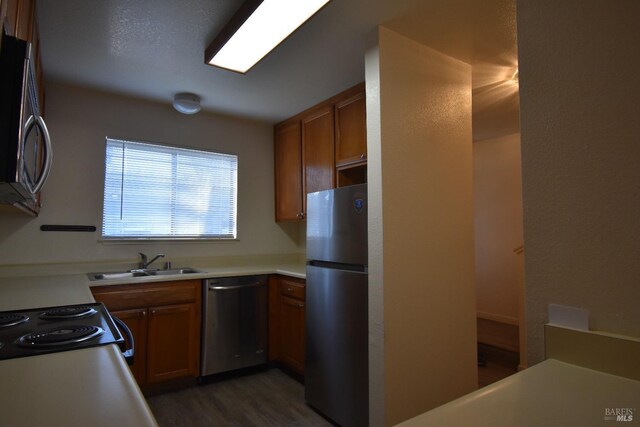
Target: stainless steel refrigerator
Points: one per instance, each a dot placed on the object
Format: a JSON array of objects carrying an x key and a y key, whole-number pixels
[{"x": 337, "y": 356}]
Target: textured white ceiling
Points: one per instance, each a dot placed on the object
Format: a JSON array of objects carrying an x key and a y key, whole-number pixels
[{"x": 155, "y": 48}]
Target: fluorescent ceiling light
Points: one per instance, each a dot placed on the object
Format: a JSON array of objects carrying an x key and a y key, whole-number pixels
[{"x": 257, "y": 28}]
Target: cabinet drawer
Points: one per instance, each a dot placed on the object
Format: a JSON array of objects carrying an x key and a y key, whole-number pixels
[
  {"x": 123, "y": 297},
  {"x": 292, "y": 289}
]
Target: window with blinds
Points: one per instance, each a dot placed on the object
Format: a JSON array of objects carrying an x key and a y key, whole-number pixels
[{"x": 161, "y": 192}]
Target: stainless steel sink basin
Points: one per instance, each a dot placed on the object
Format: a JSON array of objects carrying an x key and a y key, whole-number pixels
[
  {"x": 119, "y": 275},
  {"x": 141, "y": 273}
]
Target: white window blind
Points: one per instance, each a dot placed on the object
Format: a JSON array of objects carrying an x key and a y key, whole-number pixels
[{"x": 154, "y": 191}]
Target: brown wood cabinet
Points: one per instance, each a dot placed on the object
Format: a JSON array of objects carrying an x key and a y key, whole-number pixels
[
  {"x": 351, "y": 130},
  {"x": 19, "y": 20},
  {"x": 288, "y": 171},
  {"x": 321, "y": 148},
  {"x": 165, "y": 321},
  {"x": 304, "y": 161},
  {"x": 173, "y": 342},
  {"x": 136, "y": 320},
  {"x": 25, "y": 19},
  {"x": 9, "y": 11},
  {"x": 286, "y": 322},
  {"x": 292, "y": 333},
  {"x": 317, "y": 146}
]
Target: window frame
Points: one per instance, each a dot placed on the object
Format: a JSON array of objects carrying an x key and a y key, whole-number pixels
[{"x": 167, "y": 239}]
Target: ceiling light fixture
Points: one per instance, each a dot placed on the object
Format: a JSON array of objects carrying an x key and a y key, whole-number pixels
[
  {"x": 256, "y": 29},
  {"x": 186, "y": 103}
]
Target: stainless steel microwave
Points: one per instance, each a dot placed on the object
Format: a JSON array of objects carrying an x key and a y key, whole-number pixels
[{"x": 25, "y": 145}]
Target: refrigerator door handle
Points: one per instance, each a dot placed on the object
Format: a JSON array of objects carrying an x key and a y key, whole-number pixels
[{"x": 338, "y": 266}]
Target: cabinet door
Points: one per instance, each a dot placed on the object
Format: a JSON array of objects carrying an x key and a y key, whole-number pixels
[
  {"x": 274, "y": 318},
  {"x": 25, "y": 19},
  {"x": 136, "y": 320},
  {"x": 10, "y": 15},
  {"x": 292, "y": 333},
  {"x": 288, "y": 171},
  {"x": 173, "y": 343},
  {"x": 317, "y": 146},
  {"x": 351, "y": 130}
]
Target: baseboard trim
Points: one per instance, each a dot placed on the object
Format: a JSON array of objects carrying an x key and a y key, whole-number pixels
[
  {"x": 498, "y": 334},
  {"x": 497, "y": 318}
]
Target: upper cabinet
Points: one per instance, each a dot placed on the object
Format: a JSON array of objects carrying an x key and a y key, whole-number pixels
[
  {"x": 317, "y": 147},
  {"x": 25, "y": 19},
  {"x": 288, "y": 171},
  {"x": 351, "y": 130},
  {"x": 321, "y": 148},
  {"x": 9, "y": 15},
  {"x": 18, "y": 17}
]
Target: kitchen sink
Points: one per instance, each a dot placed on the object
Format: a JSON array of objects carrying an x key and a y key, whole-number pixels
[
  {"x": 141, "y": 273},
  {"x": 119, "y": 275}
]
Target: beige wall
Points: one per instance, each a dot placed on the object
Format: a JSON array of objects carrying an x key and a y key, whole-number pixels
[
  {"x": 497, "y": 195},
  {"x": 79, "y": 120},
  {"x": 579, "y": 92},
  {"x": 376, "y": 236},
  {"x": 422, "y": 263}
]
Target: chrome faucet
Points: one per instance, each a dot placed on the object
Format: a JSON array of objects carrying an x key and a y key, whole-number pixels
[{"x": 144, "y": 264}]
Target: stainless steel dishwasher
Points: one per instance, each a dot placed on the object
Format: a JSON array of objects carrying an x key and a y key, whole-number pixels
[{"x": 234, "y": 329}]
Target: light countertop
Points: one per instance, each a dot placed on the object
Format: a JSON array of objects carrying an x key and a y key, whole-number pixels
[
  {"x": 89, "y": 386},
  {"x": 43, "y": 291},
  {"x": 551, "y": 393}
]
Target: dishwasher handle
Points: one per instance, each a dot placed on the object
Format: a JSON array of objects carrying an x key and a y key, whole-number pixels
[{"x": 228, "y": 288}]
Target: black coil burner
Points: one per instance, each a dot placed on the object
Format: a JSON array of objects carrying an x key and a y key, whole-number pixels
[
  {"x": 36, "y": 331},
  {"x": 74, "y": 312},
  {"x": 60, "y": 336},
  {"x": 12, "y": 319}
]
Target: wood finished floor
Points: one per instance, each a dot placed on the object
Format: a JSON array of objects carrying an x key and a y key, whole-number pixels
[{"x": 269, "y": 398}]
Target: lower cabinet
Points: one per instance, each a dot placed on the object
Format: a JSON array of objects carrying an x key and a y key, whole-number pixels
[
  {"x": 287, "y": 327},
  {"x": 292, "y": 333},
  {"x": 173, "y": 342},
  {"x": 164, "y": 319},
  {"x": 136, "y": 320}
]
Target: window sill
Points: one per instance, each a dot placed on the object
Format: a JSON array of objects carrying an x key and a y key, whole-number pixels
[{"x": 149, "y": 240}]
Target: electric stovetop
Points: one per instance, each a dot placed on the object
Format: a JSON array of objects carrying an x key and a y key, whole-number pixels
[{"x": 52, "y": 329}]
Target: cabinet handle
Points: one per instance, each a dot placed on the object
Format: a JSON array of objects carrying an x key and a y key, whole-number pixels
[
  {"x": 153, "y": 312},
  {"x": 143, "y": 313},
  {"x": 300, "y": 305},
  {"x": 363, "y": 156},
  {"x": 300, "y": 215},
  {"x": 289, "y": 290}
]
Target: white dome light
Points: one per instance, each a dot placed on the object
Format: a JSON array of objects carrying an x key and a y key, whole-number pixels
[{"x": 186, "y": 103}]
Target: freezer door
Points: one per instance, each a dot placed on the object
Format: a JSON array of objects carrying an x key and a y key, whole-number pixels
[
  {"x": 337, "y": 225},
  {"x": 336, "y": 368}
]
